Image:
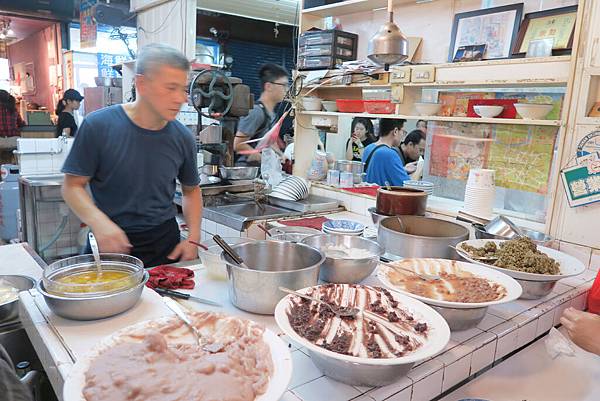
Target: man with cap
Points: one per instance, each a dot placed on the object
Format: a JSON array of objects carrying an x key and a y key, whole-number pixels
[{"x": 64, "y": 110}]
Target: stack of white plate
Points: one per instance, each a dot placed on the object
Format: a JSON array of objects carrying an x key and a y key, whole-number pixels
[
  {"x": 480, "y": 193},
  {"x": 344, "y": 227},
  {"x": 291, "y": 188},
  {"x": 425, "y": 186}
]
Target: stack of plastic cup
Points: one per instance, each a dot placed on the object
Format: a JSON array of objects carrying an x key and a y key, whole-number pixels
[{"x": 480, "y": 193}]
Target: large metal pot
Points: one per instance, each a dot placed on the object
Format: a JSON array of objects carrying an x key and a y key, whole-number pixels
[
  {"x": 10, "y": 310},
  {"x": 401, "y": 201},
  {"x": 238, "y": 173},
  {"x": 345, "y": 270},
  {"x": 420, "y": 237},
  {"x": 272, "y": 264},
  {"x": 92, "y": 308}
]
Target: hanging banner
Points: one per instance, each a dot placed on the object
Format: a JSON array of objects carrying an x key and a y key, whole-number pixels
[
  {"x": 582, "y": 181},
  {"x": 88, "y": 31}
]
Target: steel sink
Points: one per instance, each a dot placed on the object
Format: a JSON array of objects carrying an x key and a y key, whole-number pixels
[{"x": 239, "y": 215}]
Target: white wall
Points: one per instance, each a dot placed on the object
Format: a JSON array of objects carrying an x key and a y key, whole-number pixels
[
  {"x": 431, "y": 21},
  {"x": 172, "y": 22}
]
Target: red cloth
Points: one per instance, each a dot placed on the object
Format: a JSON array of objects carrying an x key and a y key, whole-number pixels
[
  {"x": 313, "y": 222},
  {"x": 594, "y": 296},
  {"x": 371, "y": 191},
  {"x": 10, "y": 122},
  {"x": 171, "y": 278}
]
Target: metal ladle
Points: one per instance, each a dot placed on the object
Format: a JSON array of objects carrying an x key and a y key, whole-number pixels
[{"x": 95, "y": 252}]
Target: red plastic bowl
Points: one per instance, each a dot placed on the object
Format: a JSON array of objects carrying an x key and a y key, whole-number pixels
[
  {"x": 379, "y": 106},
  {"x": 350, "y": 105}
]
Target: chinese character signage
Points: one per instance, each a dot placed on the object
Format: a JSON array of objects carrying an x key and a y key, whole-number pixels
[
  {"x": 88, "y": 32},
  {"x": 582, "y": 182},
  {"x": 105, "y": 61}
]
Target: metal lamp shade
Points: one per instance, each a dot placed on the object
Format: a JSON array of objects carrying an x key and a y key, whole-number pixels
[{"x": 389, "y": 45}]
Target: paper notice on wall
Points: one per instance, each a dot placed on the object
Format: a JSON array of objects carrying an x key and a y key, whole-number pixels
[
  {"x": 88, "y": 32},
  {"x": 522, "y": 157}
]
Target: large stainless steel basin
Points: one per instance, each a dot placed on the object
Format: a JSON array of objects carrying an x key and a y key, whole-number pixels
[{"x": 239, "y": 215}]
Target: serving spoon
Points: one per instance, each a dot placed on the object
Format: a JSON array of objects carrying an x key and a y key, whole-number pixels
[
  {"x": 174, "y": 306},
  {"x": 95, "y": 252},
  {"x": 488, "y": 258},
  {"x": 340, "y": 311},
  {"x": 422, "y": 276}
]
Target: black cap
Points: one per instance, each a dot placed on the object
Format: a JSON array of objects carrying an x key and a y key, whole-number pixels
[{"x": 72, "y": 94}]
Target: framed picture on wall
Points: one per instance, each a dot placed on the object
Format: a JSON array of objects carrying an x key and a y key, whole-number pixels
[
  {"x": 495, "y": 27},
  {"x": 557, "y": 24}
]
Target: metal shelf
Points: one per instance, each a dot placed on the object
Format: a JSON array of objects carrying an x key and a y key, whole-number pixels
[{"x": 509, "y": 121}]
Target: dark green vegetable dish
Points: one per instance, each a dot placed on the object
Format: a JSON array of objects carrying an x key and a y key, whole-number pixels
[{"x": 519, "y": 254}]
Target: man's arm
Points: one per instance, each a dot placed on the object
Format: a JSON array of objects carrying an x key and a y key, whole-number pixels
[
  {"x": 192, "y": 212},
  {"x": 239, "y": 145},
  {"x": 110, "y": 237}
]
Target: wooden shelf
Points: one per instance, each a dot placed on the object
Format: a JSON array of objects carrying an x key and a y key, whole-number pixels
[
  {"x": 509, "y": 121},
  {"x": 350, "y": 7}
]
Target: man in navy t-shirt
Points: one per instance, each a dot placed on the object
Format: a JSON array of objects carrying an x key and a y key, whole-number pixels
[
  {"x": 382, "y": 160},
  {"x": 131, "y": 155}
]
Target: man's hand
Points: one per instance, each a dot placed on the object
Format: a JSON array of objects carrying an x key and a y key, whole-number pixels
[
  {"x": 111, "y": 239},
  {"x": 411, "y": 167},
  {"x": 583, "y": 328},
  {"x": 184, "y": 251}
]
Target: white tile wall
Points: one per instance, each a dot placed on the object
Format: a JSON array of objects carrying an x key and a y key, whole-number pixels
[
  {"x": 428, "y": 387},
  {"x": 304, "y": 370},
  {"x": 583, "y": 253},
  {"x": 393, "y": 390},
  {"x": 595, "y": 260},
  {"x": 456, "y": 372},
  {"x": 559, "y": 311},
  {"x": 489, "y": 321},
  {"x": 289, "y": 396},
  {"x": 506, "y": 344},
  {"x": 326, "y": 389},
  {"x": 527, "y": 333},
  {"x": 545, "y": 323},
  {"x": 483, "y": 357}
]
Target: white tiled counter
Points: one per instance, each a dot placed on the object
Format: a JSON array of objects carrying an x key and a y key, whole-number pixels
[{"x": 505, "y": 329}]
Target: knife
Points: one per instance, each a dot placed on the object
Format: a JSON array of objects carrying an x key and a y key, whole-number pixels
[{"x": 181, "y": 295}]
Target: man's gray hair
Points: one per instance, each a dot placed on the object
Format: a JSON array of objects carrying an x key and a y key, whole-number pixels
[{"x": 156, "y": 54}]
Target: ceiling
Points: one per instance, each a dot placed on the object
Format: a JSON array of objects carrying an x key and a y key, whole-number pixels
[
  {"x": 25, "y": 27},
  {"x": 282, "y": 11}
]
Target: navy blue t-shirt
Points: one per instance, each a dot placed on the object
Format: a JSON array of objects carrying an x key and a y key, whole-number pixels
[{"x": 132, "y": 169}]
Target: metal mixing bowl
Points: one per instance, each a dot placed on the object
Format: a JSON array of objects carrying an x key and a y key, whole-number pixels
[
  {"x": 420, "y": 237},
  {"x": 92, "y": 308},
  {"x": 10, "y": 310},
  {"x": 238, "y": 173},
  {"x": 85, "y": 263},
  {"x": 376, "y": 217},
  {"x": 537, "y": 237},
  {"x": 359, "y": 374},
  {"x": 345, "y": 270},
  {"x": 461, "y": 319},
  {"x": 272, "y": 264}
]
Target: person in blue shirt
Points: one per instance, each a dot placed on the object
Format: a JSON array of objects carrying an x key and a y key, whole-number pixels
[{"x": 383, "y": 163}]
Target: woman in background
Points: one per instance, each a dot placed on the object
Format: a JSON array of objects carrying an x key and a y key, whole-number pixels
[
  {"x": 362, "y": 136},
  {"x": 64, "y": 110},
  {"x": 10, "y": 119}
]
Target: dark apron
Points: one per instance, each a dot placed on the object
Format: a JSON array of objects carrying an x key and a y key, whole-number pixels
[{"x": 153, "y": 246}]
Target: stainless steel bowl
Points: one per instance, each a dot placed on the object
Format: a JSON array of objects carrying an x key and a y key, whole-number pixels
[
  {"x": 537, "y": 237},
  {"x": 376, "y": 217},
  {"x": 354, "y": 167},
  {"x": 92, "y": 308},
  {"x": 421, "y": 237},
  {"x": 272, "y": 264},
  {"x": 535, "y": 289},
  {"x": 502, "y": 226},
  {"x": 10, "y": 310},
  {"x": 461, "y": 319},
  {"x": 238, "y": 173},
  {"x": 359, "y": 374},
  {"x": 344, "y": 270}
]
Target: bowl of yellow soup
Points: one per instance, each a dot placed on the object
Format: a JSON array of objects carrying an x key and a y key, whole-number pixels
[{"x": 78, "y": 276}]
